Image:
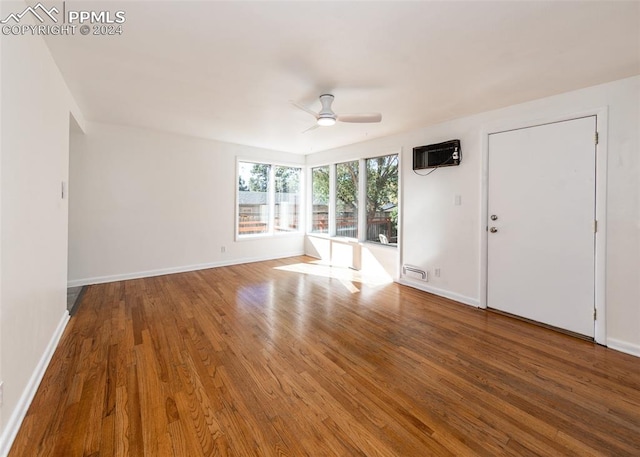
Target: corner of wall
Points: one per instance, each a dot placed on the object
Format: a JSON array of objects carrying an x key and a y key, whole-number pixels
[
  {"x": 35, "y": 98},
  {"x": 10, "y": 431},
  {"x": 623, "y": 346}
]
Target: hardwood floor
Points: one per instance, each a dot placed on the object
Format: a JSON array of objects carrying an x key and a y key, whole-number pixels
[{"x": 263, "y": 360}]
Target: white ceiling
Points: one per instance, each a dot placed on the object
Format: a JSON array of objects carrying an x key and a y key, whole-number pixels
[{"x": 227, "y": 70}]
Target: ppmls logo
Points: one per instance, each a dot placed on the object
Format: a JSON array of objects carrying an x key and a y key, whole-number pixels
[
  {"x": 34, "y": 10},
  {"x": 86, "y": 22}
]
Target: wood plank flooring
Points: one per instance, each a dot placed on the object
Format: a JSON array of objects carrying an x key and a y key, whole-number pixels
[{"x": 257, "y": 360}]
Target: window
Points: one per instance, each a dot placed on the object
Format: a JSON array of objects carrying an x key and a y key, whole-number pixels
[
  {"x": 268, "y": 199},
  {"x": 382, "y": 199},
  {"x": 357, "y": 199},
  {"x": 253, "y": 198},
  {"x": 287, "y": 204},
  {"x": 320, "y": 200},
  {"x": 347, "y": 199}
]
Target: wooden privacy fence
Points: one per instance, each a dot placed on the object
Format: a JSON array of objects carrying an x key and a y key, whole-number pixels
[{"x": 348, "y": 226}]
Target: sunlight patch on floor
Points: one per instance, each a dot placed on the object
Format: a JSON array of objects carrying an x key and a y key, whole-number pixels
[
  {"x": 351, "y": 287},
  {"x": 346, "y": 276}
]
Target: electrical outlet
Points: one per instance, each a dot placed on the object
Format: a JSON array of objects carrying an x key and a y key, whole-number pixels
[
  {"x": 436, "y": 272},
  {"x": 223, "y": 249}
]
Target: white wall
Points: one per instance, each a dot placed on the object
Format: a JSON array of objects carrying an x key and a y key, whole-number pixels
[
  {"x": 374, "y": 261},
  {"x": 1, "y": 135},
  {"x": 145, "y": 203},
  {"x": 33, "y": 235},
  {"x": 435, "y": 233}
]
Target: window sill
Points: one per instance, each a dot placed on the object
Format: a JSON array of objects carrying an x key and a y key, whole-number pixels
[
  {"x": 271, "y": 236},
  {"x": 345, "y": 240}
]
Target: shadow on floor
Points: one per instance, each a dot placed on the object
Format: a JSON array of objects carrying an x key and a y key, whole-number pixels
[{"x": 74, "y": 296}]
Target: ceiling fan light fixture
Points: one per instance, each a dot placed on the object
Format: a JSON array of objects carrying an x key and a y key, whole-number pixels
[
  {"x": 327, "y": 117},
  {"x": 326, "y": 121}
]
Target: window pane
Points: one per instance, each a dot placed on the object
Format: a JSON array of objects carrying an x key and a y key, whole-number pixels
[
  {"x": 253, "y": 198},
  {"x": 382, "y": 199},
  {"x": 320, "y": 200},
  {"x": 287, "y": 199},
  {"x": 347, "y": 199}
]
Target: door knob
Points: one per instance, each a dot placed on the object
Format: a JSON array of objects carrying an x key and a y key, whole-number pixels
[
  {"x": 494, "y": 217},
  {"x": 493, "y": 230}
]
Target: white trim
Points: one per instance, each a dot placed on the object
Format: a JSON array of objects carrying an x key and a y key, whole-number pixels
[
  {"x": 347, "y": 240},
  {"x": 309, "y": 201},
  {"x": 332, "y": 200},
  {"x": 400, "y": 226},
  {"x": 362, "y": 187},
  {"x": 508, "y": 124},
  {"x": 346, "y": 159},
  {"x": 313, "y": 256},
  {"x": 270, "y": 233},
  {"x": 362, "y": 202},
  {"x": 601, "y": 115},
  {"x": 173, "y": 270},
  {"x": 441, "y": 292},
  {"x": 19, "y": 412},
  {"x": 484, "y": 226},
  {"x": 236, "y": 202},
  {"x": 354, "y": 157},
  {"x": 271, "y": 201},
  {"x": 602, "y": 158},
  {"x": 623, "y": 346},
  {"x": 262, "y": 236},
  {"x": 308, "y": 198},
  {"x": 1, "y": 276},
  {"x": 263, "y": 161}
]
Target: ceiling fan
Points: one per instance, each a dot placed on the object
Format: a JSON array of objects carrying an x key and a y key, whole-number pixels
[{"x": 327, "y": 117}]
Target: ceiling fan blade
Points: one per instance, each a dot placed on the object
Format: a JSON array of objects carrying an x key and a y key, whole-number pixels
[
  {"x": 360, "y": 118},
  {"x": 313, "y": 127},
  {"x": 304, "y": 108}
]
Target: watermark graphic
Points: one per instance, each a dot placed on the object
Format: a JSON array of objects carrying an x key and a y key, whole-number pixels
[
  {"x": 33, "y": 10},
  {"x": 73, "y": 21}
]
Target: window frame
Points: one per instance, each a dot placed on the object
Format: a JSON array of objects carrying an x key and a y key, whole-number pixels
[
  {"x": 300, "y": 199},
  {"x": 271, "y": 199},
  {"x": 358, "y": 195},
  {"x": 366, "y": 228},
  {"x": 362, "y": 198},
  {"x": 310, "y": 228}
]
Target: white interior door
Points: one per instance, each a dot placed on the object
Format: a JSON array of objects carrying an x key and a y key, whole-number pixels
[{"x": 541, "y": 212}]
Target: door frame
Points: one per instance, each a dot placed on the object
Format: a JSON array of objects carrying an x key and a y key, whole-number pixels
[{"x": 601, "y": 115}]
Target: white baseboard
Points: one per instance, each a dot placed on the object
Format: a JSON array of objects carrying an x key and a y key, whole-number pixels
[
  {"x": 612, "y": 343},
  {"x": 623, "y": 346},
  {"x": 17, "y": 416},
  {"x": 173, "y": 270},
  {"x": 440, "y": 292}
]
